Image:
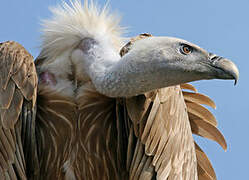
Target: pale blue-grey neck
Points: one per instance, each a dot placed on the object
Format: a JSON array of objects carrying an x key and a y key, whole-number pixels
[{"x": 127, "y": 76}]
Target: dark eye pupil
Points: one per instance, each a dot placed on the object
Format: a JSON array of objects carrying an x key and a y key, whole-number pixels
[{"x": 186, "y": 49}]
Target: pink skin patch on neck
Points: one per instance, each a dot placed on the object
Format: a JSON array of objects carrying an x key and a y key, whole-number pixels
[{"x": 47, "y": 78}]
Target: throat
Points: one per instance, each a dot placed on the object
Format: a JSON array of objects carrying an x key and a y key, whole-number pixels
[
  {"x": 52, "y": 82},
  {"x": 48, "y": 78}
]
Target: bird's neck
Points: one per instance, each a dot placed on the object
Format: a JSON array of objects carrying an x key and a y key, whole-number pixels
[
  {"x": 113, "y": 76},
  {"x": 122, "y": 78},
  {"x": 128, "y": 76}
]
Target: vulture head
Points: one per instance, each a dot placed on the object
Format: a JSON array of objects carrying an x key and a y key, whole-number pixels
[
  {"x": 89, "y": 41},
  {"x": 177, "y": 61}
]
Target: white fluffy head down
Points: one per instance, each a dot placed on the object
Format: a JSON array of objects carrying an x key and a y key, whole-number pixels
[{"x": 70, "y": 23}]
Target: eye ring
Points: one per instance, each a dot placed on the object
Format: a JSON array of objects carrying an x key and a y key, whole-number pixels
[{"x": 186, "y": 49}]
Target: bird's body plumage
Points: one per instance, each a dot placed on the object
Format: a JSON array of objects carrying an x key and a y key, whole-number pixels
[{"x": 101, "y": 116}]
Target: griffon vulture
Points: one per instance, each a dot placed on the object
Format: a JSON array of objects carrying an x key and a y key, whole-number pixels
[{"x": 83, "y": 111}]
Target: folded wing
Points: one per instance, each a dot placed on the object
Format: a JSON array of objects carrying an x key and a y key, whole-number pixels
[{"x": 18, "y": 84}]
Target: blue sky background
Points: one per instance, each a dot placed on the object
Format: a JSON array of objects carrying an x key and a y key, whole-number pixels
[{"x": 222, "y": 27}]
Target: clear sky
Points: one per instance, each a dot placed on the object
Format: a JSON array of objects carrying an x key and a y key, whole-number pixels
[{"x": 222, "y": 27}]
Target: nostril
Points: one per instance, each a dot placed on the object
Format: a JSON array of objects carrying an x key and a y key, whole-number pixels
[{"x": 214, "y": 57}]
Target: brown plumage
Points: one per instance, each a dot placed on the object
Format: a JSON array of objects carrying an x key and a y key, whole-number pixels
[
  {"x": 18, "y": 85},
  {"x": 64, "y": 128}
]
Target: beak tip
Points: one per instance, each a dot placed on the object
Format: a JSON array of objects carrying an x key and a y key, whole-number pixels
[
  {"x": 235, "y": 74},
  {"x": 235, "y": 82},
  {"x": 229, "y": 68}
]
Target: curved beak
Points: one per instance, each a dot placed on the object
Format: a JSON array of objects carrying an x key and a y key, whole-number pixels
[{"x": 226, "y": 69}]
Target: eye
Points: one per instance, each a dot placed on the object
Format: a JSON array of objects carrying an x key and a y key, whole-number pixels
[{"x": 186, "y": 49}]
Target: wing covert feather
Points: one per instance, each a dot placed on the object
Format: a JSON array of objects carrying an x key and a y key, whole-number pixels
[
  {"x": 201, "y": 112},
  {"x": 18, "y": 83},
  {"x": 164, "y": 140},
  {"x": 204, "y": 166},
  {"x": 198, "y": 98},
  {"x": 188, "y": 87},
  {"x": 204, "y": 129}
]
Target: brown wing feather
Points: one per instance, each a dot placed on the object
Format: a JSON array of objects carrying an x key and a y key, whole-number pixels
[
  {"x": 201, "y": 124},
  {"x": 152, "y": 128},
  {"x": 201, "y": 112},
  {"x": 205, "y": 127},
  {"x": 198, "y": 98},
  {"x": 188, "y": 87},
  {"x": 204, "y": 165},
  {"x": 18, "y": 83},
  {"x": 164, "y": 136}
]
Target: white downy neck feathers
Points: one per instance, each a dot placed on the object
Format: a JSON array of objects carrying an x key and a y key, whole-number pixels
[{"x": 72, "y": 23}]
